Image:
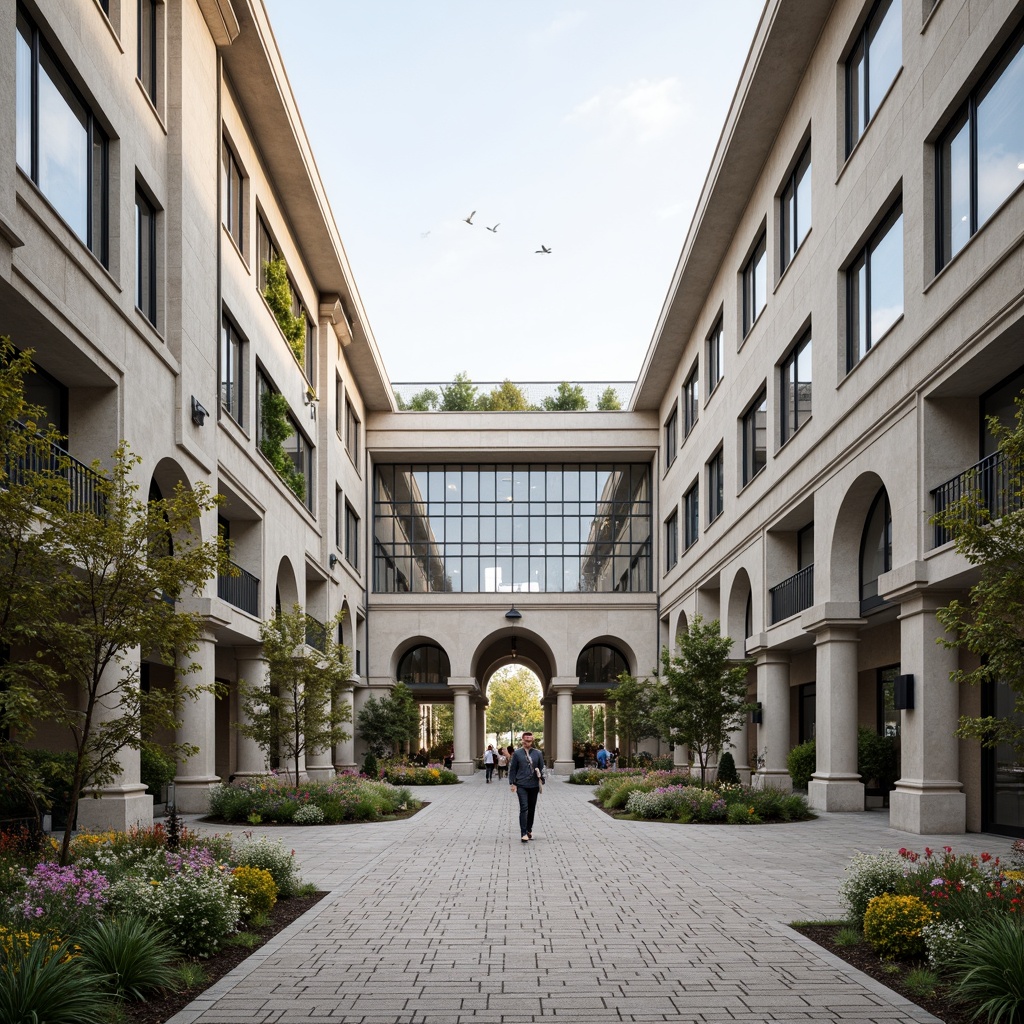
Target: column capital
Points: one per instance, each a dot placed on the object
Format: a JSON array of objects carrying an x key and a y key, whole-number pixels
[
  {"x": 771, "y": 656},
  {"x": 832, "y": 614},
  {"x": 923, "y": 602},
  {"x": 561, "y": 684},
  {"x": 462, "y": 684},
  {"x": 250, "y": 653}
]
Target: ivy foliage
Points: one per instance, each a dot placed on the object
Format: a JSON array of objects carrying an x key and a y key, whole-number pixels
[
  {"x": 276, "y": 430},
  {"x": 278, "y": 293}
]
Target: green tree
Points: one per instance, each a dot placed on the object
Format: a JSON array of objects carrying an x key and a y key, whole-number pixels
[
  {"x": 567, "y": 398},
  {"x": 443, "y": 716},
  {"x": 636, "y": 703},
  {"x": 703, "y": 698},
  {"x": 514, "y": 696},
  {"x": 459, "y": 396},
  {"x": 389, "y": 722},
  {"x": 423, "y": 401},
  {"x": 116, "y": 568},
  {"x": 588, "y": 723},
  {"x": 506, "y": 397},
  {"x": 297, "y": 709},
  {"x": 609, "y": 400},
  {"x": 989, "y": 532}
]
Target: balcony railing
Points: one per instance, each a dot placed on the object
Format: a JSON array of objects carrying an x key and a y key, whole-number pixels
[
  {"x": 793, "y": 595},
  {"x": 242, "y": 591},
  {"x": 995, "y": 480},
  {"x": 316, "y": 634},
  {"x": 83, "y": 481}
]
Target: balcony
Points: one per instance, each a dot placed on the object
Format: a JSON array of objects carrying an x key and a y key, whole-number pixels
[
  {"x": 316, "y": 634},
  {"x": 83, "y": 482},
  {"x": 994, "y": 480},
  {"x": 793, "y": 595},
  {"x": 241, "y": 590}
]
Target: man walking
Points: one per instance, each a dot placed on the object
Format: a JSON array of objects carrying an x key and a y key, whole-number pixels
[{"x": 525, "y": 775}]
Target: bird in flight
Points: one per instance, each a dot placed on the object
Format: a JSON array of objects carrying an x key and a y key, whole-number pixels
[
  {"x": 495, "y": 228},
  {"x": 543, "y": 249},
  {"x": 469, "y": 219}
]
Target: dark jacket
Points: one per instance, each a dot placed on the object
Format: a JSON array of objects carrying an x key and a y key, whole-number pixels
[{"x": 521, "y": 769}]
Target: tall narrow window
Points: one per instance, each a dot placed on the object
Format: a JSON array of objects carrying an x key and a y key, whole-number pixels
[
  {"x": 875, "y": 550},
  {"x": 755, "y": 424},
  {"x": 266, "y": 252},
  {"x": 672, "y": 540},
  {"x": 691, "y": 401},
  {"x": 873, "y": 64},
  {"x": 352, "y": 427},
  {"x": 351, "y": 536},
  {"x": 980, "y": 156},
  {"x": 755, "y": 284},
  {"x": 232, "y": 367},
  {"x": 795, "y": 209},
  {"x": 874, "y": 287},
  {"x": 58, "y": 142},
  {"x": 691, "y": 515},
  {"x": 145, "y": 257},
  {"x": 716, "y": 355},
  {"x": 147, "y": 62},
  {"x": 234, "y": 203},
  {"x": 671, "y": 436},
  {"x": 795, "y": 388},
  {"x": 716, "y": 486}
]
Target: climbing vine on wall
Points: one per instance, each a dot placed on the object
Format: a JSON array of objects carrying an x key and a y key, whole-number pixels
[
  {"x": 276, "y": 429},
  {"x": 278, "y": 293}
]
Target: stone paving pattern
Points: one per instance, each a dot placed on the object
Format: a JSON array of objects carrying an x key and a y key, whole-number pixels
[{"x": 447, "y": 918}]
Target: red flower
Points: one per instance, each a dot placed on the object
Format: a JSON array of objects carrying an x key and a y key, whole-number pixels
[
  {"x": 986, "y": 857},
  {"x": 927, "y": 851}
]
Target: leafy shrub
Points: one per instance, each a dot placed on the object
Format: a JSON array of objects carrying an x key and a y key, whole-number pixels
[
  {"x": 893, "y": 924},
  {"x": 41, "y": 981},
  {"x": 278, "y": 293},
  {"x": 370, "y": 769},
  {"x": 272, "y": 857},
  {"x": 868, "y": 876},
  {"x": 801, "y": 763},
  {"x": 587, "y": 777},
  {"x": 399, "y": 774},
  {"x": 963, "y": 888},
  {"x": 943, "y": 942},
  {"x": 727, "y": 773},
  {"x": 308, "y": 814},
  {"x": 156, "y": 768},
  {"x": 742, "y": 814},
  {"x": 256, "y": 888},
  {"x": 989, "y": 970},
  {"x": 130, "y": 956},
  {"x": 877, "y": 758}
]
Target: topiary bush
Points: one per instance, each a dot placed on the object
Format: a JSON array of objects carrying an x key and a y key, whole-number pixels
[
  {"x": 801, "y": 763},
  {"x": 256, "y": 888},
  {"x": 727, "y": 774},
  {"x": 370, "y": 768},
  {"x": 893, "y": 925}
]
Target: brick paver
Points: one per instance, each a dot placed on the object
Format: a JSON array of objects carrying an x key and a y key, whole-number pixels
[{"x": 447, "y": 918}]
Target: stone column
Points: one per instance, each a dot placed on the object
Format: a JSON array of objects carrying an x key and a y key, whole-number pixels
[
  {"x": 463, "y": 689},
  {"x": 550, "y": 737},
  {"x": 197, "y": 776},
  {"x": 253, "y": 671},
  {"x": 124, "y": 802},
  {"x": 345, "y": 750},
  {"x": 928, "y": 798},
  {"x": 773, "y": 732},
  {"x": 563, "y": 688},
  {"x": 836, "y": 785},
  {"x": 481, "y": 728}
]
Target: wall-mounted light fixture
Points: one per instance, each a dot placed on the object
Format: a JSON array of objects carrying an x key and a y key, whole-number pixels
[
  {"x": 332, "y": 561},
  {"x": 903, "y": 693},
  {"x": 199, "y": 412},
  {"x": 512, "y": 617},
  {"x": 757, "y": 714}
]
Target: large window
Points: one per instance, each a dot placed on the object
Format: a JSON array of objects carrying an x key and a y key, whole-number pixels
[
  {"x": 352, "y": 426},
  {"x": 691, "y": 401},
  {"x": 351, "y": 536},
  {"x": 888, "y": 716},
  {"x": 59, "y": 144},
  {"x": 874, "y": 287},
  {"x": 875, "y": 550},
  {"x": 600, "y": 664},
  {"x": 716, "y": 486},
  {"x": 755, "y": 284},
  {"x": 795, "y": 388},
  {"x": 874, "y": 62},
  {"x": 980, "y": 156},
  {"x": 232, "y": 370},
  {"x": 266, "y": 252},
  {"x": 691, "y": 515},
  {"x": 147, "y": 55},
  {"x": 426, "y": 665},
  {"x": 795, "y": 209},
  {"x": 672, "y": 540},
  {"x": 145, "y": 256},
  {"x": 716, "y": 355},
  {"x": 512, "y": 528},
  {"x": 755, "y": 424},
  {"x": 671, "y": 436},
  {"x": 300, "y": 451},
  {"x": 234, "y": 201}
]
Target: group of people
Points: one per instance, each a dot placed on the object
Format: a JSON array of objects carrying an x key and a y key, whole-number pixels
[
  {"x": 499, "y": 759},
  {"x": 525, "y": 770}
]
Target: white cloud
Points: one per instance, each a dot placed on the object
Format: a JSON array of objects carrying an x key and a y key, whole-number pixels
[
  {"x": 646, "y": 109},
  {"x": 565, "y": 23}
]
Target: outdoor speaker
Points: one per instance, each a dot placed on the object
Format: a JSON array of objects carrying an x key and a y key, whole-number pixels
[
  {"x": 903, "y": 696},
  {"x": 757, "y": 714}
]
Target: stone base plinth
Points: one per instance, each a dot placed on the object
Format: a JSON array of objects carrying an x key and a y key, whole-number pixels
[
  {"x": 463, "y": 767},
  {"x": 836, "y": 793},
  {"x": 927, "y": 812},
  {"x": 769, "y": 779},
  {"x": 192, "y": 796},
  {"x": 564, "y": 767},
  {"x": 320, "y": 772},
  {"x": 118, "y": 808}
]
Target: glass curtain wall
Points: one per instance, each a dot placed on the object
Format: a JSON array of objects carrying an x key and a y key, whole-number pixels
[{"x": 512, "y": 528}]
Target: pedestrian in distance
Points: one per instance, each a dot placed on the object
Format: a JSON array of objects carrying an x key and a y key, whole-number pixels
[
  {"x": 602, "y": 757},
  {"x": 489, "y": 761},
  {"x": 502, "y": 763},
  {"x": 525, "y": 779}
]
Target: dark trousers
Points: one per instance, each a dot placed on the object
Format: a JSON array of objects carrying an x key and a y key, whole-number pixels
[
  {"x": 490, "y": 770},
  {"x": 527, "y": 807}
]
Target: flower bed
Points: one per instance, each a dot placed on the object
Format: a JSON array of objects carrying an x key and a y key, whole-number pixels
[
  {"x": 118, "y": 922},
  {"x": 347, "y": 797},
  {"x": 401, "y": 773},
  {"x": 675, "y": 795}
]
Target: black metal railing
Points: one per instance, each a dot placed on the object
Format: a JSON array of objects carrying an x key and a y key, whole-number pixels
[
  {"x": 996, "y": 482},
  {"x": 316, "y": 633},
  {"x": 241, "y": 590},
  {"x": 38, "y": 459},
  {"x": 793, "y": 595}
]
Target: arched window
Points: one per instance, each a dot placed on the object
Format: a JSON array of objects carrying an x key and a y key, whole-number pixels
[
  {"x": 748, "y": 616},
  {"x": 426, "y": 665},
  {"x": 875, "y": 550},
  {"x": 600, "y": 664}
]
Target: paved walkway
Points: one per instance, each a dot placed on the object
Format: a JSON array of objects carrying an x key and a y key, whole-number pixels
[{"x": 447, "y": 918}]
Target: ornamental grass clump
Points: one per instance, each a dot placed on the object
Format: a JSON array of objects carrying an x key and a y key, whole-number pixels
[
  {"x": 256, "y": 888},
  {"x": 989, "y": 969},
  {"x": 130, "y": 956},
  {"x": 893, "y": 925}
]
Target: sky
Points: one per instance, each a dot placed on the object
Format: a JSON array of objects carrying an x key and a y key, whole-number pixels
[{"x": 587, "y": 127}]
